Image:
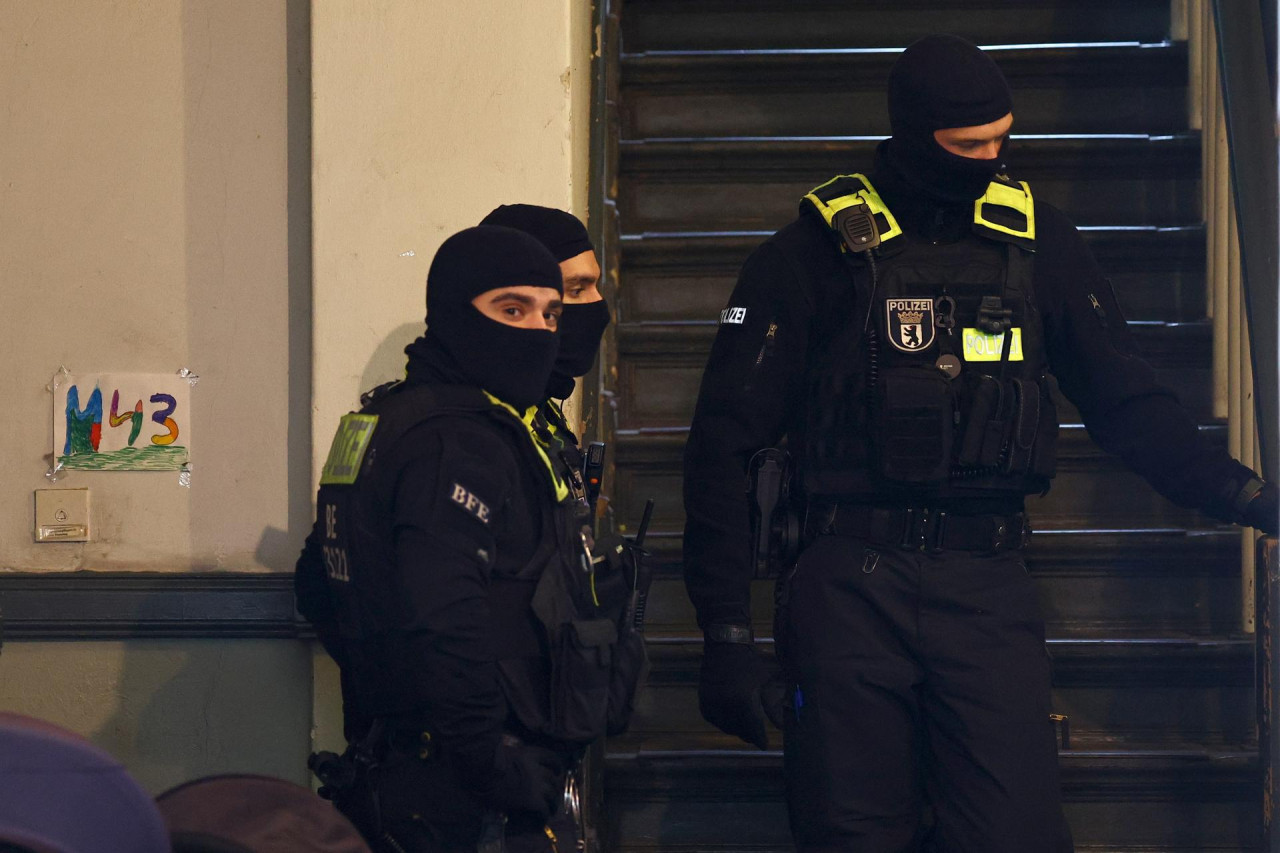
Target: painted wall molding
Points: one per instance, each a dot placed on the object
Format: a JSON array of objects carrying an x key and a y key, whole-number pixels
[{"x": 148, "y": 605}]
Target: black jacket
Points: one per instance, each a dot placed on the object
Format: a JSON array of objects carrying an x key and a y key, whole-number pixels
[
  {"x": 754, "y": 390},
  {"x": 429, "y": 606}
]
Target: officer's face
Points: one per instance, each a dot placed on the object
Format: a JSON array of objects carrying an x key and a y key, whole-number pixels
[
  {"x": 581, "y": 278},
  {"x": 981, "y": 142},
  {"x": 521, "y": 305}
]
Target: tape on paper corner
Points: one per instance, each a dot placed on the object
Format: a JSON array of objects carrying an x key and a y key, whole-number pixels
[{"x": 59, "y": 376}]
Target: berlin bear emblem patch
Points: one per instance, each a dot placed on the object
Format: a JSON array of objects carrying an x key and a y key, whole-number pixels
[{"x": 910, "y": 323}]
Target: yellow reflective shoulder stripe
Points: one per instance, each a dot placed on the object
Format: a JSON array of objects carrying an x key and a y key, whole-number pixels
[
  {"x": 561, "y": 489},
  {"x": 866, "y": 195},
  {"x": 1016, "y": 198},
  {"x": 551, "y": 425},
  {"x": 346, "y": 454}
]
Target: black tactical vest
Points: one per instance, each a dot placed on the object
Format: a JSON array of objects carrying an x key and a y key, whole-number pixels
[
  {"x": 553, "y": 631},
  {"x": 931, "y": 383}
]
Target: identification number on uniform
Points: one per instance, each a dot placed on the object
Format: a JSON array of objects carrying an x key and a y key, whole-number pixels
[
  {"x": 979, "y": 346},
  {"x": 346, "y": 454}
]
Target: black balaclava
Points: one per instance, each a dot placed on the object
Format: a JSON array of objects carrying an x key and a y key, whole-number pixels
[
  {"x": 582, "y": 324},
  {"x": 509, "y": 362},
  {"x": 941, "y": 82}
]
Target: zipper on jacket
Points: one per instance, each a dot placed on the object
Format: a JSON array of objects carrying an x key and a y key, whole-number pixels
[{"x": 768, "y": 342}]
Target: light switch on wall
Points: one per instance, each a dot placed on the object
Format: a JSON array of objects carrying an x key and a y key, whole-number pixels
[{"x": 62, "y": 515}]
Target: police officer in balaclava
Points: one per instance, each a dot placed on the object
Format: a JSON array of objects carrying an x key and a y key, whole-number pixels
[
  {"x": 439, "y": 517},
  {"x": 585, "y": 315},
  {"x": 900, "y": 334}
]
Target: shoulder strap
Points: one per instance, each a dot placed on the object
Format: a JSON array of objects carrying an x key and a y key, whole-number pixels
[
  {"x": 845, "y": 191},
  {"x": 1007, "y": 212},
  {"x": 398, "y": 410}
]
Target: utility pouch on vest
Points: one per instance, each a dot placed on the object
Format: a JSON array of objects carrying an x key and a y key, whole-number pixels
[
  {"x": 914, "y": 425},
  {"x": 628, "y": 580},
  {"x": 582, "y": 662},
  {"x": 1010, "y": 427},
  {"x": 597, "y": 660},
  {"x": 1022, "y": 430},
  {"x": 982, "y": 443}
]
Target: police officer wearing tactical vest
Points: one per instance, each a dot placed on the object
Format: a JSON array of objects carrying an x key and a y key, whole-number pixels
[
  {"x": 900, "y": 334},
  {"x": 448, "y": 576}
]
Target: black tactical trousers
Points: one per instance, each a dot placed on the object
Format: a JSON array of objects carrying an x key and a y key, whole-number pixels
[
  {"x": 420, "y": 808},
  {"x": 921, "y": 678}
]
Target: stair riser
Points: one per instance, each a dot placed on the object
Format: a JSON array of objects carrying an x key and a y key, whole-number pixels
[
  {"x": 660, "y": 389},
  {"x": 727, "y": 24},
  {"x": 657, "y": 296},
  {"x": 825, "y": 109},
  {"x": 742, "y": 201},
  {"x": 1199, "y": 605},
  {"x": 1188, "y": 824},
  {"x": 1115, "y": 498},
  {"x": 1147, "y": 713}
]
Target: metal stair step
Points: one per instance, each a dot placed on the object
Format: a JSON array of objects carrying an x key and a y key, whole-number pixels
[
  {"x": 1147, "y": 688},
  {"x": 1157, "y": 797},
  {"x": 661, "y": 364},
  {"x": 1092, "y": 489},
  {"x": 1158, "y": 273},
  {"x": 1081, "y": 87},
  {"x": 734, "y": 24},
  {"x": 755, "y": 184}
]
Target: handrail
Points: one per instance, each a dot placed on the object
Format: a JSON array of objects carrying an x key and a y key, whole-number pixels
[
  {"x": 1249, "y": 101},
  {"x": 1251, "y": 134},
  {"x": 602, "y": 224}
]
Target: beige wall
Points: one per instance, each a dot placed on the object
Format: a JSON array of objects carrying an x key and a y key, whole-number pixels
[
  {"x": 143, "y": 227},
  {"x": 172, "y": 711},
  {"x": 427, "y": 116},
  {"x": 156, "y": 213}
]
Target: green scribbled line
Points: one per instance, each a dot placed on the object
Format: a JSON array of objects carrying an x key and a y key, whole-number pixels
[{"x": 130, "y": 459}]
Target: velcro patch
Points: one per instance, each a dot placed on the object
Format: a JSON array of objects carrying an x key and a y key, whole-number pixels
[
  {"x": 733, "y": 316},
  {"x": 346, "y": 454},
  {"x": 465, "y": 498},
  {"x": 979, "y": 346}
]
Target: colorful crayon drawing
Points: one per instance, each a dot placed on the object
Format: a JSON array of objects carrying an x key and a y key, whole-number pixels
[{"x": 152, "y": 433}]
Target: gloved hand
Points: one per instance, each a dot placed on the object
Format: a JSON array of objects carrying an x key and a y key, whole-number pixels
[
  {"x": 1263, "y": 512},
  {"x": 526, "y": 779},
  {"x": 738, "y": 688}
]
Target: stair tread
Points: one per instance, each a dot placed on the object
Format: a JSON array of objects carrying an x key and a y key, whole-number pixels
[
  {"x": 1182, "y": 144},
  {"x": 868, "y": 67},
  {"x": 716, "y": 748},
  {"x": 674, "y": 643},
  {"x": 706, "y": 248}
]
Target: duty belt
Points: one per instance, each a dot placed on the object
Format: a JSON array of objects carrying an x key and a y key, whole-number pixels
[{"x": 924, "y": 528}]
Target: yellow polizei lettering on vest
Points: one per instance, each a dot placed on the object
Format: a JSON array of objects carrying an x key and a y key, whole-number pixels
[{"x": 979, "y": 346}]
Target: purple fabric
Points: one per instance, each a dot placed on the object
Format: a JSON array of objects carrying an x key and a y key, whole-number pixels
[
  {"x": 61, "y": 794},
  {"x": 263, "y": 814}
]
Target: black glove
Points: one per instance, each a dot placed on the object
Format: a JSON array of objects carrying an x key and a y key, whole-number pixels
[
  {"x": 1263, "y": 512},
  {"x": 738, "y": 688},
  {"x": 526, "y": 779}
]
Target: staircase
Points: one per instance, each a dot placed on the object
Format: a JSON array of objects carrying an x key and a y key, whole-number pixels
[{"x": 729, "y": 110}]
